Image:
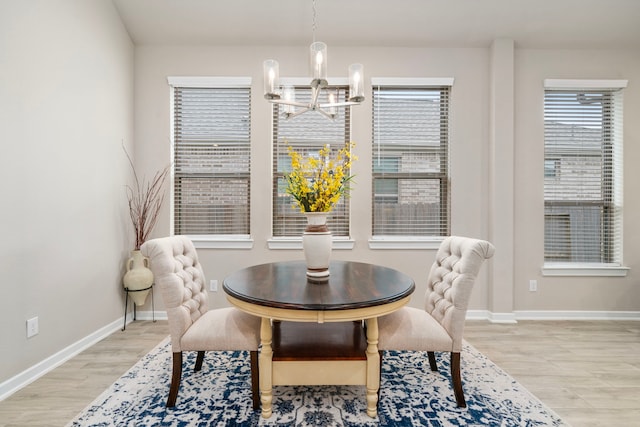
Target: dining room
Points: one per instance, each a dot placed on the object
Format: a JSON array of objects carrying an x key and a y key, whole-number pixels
[{"x": 447, "y": 113}]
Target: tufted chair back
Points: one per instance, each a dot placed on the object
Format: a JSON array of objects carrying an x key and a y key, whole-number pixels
[
  {"x": 450, "y": 282},
  {"x": 178, "y": 273}
]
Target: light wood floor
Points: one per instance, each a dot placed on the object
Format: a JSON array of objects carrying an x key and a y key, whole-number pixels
[
  {"x": 57, "y": 397},
  {"x": 587, "y": 371}
]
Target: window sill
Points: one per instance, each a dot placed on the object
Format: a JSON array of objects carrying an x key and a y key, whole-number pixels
[
  {"x": 240, "y": 241},
  {"x": 405, "y": 242},
  {"x": 295, "y": 243},
  {"x": 594, "y": 270}
]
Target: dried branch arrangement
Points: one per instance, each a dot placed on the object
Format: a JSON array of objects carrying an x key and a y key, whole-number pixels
[{"x": 145, "y": 200}]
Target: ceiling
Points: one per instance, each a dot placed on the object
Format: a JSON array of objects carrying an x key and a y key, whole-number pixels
[{"x": 406, "y": 23}]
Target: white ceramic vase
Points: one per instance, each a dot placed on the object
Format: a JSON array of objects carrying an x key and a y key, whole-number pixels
[
  {"x": 316, "y": 243},
  {"x": 138, "y": 278}
]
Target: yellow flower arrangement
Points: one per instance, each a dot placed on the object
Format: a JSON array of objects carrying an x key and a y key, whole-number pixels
[{"x": 317, "y": 183}]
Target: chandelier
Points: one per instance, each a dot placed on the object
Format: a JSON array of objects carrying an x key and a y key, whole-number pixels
[{"x": 277, "y": 94}]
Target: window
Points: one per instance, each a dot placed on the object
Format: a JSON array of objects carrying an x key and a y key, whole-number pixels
[
  {"x": 583, "y": 173},
  {"x": 307, "y": 134},
  {"x": 410, "y": 160},
  {"x": 551, "y": 168},
  {"x": 211, "y": 156}
]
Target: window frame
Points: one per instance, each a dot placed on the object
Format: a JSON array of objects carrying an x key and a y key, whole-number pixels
[
  {"x": 402, "y": 242},
  {"x": 209, "y": 241},
  {"x": 295, "y": 242},
  {"x": 572, "y": 268}
]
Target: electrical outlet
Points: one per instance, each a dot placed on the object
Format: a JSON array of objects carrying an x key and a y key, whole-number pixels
[
  {"x": 533, "y": 285},
  {"x": 213, "y": 285},
  {"x": 32, "y": 327}
]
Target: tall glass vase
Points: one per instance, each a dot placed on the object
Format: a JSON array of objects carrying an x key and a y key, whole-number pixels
[{"x": 316, "y": 244}]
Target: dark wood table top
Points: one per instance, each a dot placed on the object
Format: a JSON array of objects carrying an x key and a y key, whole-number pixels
[{"x": 350, "y": 285}]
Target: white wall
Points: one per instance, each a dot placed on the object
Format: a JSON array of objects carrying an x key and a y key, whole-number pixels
[
  {"x": 66, "y": 103},
  {"x": 571, "y": 293},
  {"x": 476, "y": 170},
  {"x": 469, "y": 135}
]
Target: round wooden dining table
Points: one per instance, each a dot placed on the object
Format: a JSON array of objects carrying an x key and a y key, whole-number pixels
[{"x": 319, "y": 332}]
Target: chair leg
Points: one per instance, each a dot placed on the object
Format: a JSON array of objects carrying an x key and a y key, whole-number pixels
[
  {"x": 457, "y": 380},
  {"x": 175, "y": 379},
  {"x": 199, "y": 360},
  {"x": 255, "y": 380},
  {"x": 432, "y": 361}
]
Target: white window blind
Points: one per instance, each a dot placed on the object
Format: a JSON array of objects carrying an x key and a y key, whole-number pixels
[
  {"x": 307, "y": 134},
  {"x": 410, "y": 161},
  {"x": 211, "y": 136},
  {"x": 583, "y": 175}
]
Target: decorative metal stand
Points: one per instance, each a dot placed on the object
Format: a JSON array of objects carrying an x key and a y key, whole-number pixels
[{"x": 126, "y": 300}]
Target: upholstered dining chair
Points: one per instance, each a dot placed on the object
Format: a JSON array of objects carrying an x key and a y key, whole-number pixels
[
  {"x": 439, "y": 327},
  {"x": 192, "y": 326}
]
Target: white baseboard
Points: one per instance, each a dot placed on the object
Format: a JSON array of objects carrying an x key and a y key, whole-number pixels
[
  {"x": 490, "y": 316},
  {"x": 512, "y": 317},
  {"x": 149, "y": 315},
  {"x": 550, "y": 315},
  {"x": 26, "y": 377},
  {"x": 576, "y": 315},
  {"x": 10, "y": 386}
]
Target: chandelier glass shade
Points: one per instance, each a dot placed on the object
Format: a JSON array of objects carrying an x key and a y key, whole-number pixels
[{"x": 277, "y": 94}]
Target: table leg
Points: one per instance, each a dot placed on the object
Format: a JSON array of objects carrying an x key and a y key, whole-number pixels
[
  {"x": 373, "y": 367},
  {"x": 265, "y": 368}
]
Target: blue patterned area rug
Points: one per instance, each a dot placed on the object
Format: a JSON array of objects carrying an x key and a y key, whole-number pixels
[{"x": 411, "y": 395}]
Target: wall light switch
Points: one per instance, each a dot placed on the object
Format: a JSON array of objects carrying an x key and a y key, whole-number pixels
[
  {"x": 533, "y": 285},
  {"x": 213, "y": 285}
]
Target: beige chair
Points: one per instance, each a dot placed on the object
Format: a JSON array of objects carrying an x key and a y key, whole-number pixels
[
  {"x": 192, "y": 326},
  {"x": 440, "y": 325}
]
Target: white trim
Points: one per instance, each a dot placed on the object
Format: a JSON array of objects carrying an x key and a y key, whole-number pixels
[
  {"x": 478, "y": 315},
  {"x": 584, "y": 270},
  {"x": 404, "y": 242},
  {"x": 295, "y": 243},
  {"x": 576, "y": 315},
  {"x": 551, "y": 315},
  {"x": 151, "y": 315},
  {"x": 172, "y": 152},
  {"x": 584, "y": 84},
  {"x": 231, "y": 241},
  {"x": 507, "y": 318},
  {"x": 502, "y": 318},
  {"x": 12, "y": 385},
  {"x": 412, "y": 81},
  {"x": 208, "y": 81},
  {"x": 26, "y": 377}
]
